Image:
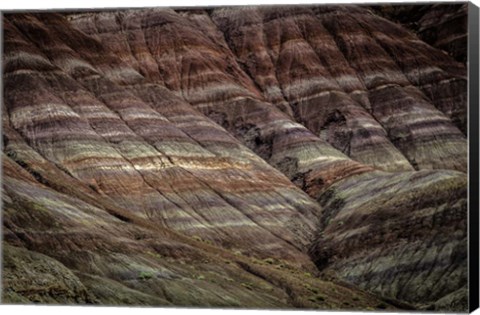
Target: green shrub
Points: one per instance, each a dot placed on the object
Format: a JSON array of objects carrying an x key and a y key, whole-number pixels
[
  {"x": 145, "y": 275},
  {"x": 269, "y": 261}
]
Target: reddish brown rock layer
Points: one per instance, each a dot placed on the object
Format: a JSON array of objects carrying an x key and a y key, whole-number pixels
[
  {"x": 163, "y": 147},
  {"x": 112, "y": 140}
]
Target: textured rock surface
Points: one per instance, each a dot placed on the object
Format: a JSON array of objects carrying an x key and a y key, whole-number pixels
[
  {"x": 443, "y": 26},
  {"x": 307, "y": 157},
  {"x": 372, "y": 239}
]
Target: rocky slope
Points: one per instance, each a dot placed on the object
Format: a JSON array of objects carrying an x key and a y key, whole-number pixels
[
  {"x": 309, "y": 157},
  {"x": 444, "y": 26}
]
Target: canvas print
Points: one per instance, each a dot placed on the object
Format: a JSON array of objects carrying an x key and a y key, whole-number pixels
[{"x": 296, "y": 156}]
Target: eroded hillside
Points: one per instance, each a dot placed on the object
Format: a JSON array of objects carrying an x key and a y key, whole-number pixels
[{"x": 266, "y": 157}]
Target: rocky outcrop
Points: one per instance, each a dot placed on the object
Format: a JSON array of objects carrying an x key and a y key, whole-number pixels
[
  {"x": 141, "y": 156},
  {"x": 52, "y": 282},
  {"x": 378, "y": 228},
  {"x": 253, "y": 156},
  {"x": 117, "y": 257},
  {"x": 443, "y": 26}
]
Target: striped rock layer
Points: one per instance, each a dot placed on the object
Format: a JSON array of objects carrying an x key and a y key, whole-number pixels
[
  {"x": 442, "y": 26},
  {"x": 307, "y": 157}
]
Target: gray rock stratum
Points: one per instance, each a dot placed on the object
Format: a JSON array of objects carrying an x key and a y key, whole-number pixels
[{"x": 267, "y": 157}]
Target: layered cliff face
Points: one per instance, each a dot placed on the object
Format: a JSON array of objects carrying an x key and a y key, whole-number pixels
[
  {"x": 444, "y": 26},
  {"x": 308, "y": 157}
]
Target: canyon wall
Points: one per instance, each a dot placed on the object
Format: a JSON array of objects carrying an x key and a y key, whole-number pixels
[{"x": 268, "y": 157}]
